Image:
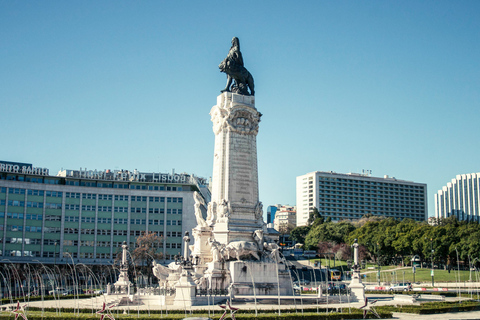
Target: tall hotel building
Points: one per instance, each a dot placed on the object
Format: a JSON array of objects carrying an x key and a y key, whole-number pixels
[
  {"x": 350, "y": 196},
  {"x": 87, "y": 215},
  {"x": 459, "y": 198}
]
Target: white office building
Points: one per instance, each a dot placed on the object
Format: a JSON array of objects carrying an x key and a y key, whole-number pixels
[
  {"x": 285, "y": 216},
  {"x": 459, "y": 198},
  {"x": 87, "y": 215},
  {"x": 352, "y": 195}
]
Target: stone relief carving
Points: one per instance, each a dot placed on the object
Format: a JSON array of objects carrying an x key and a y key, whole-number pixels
[
  {"x": 223, "y": 210},
  {"x": 243, "y": 121},
  {"x": 199, "y": 202},
  {"x": 239, "y": 249},
  {"x": 259, "y": 210},
  {"x": 219, "y": 119}
]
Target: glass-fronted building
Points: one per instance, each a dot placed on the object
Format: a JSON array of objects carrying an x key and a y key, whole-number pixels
[
  {"x": 350, "y": 196},
  {"x": 459, "y": 198},
  {"x": 87, "y": 215},
  {"x": 271, "y": 210}
]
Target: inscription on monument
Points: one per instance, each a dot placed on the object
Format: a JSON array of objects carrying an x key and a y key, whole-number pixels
[{"x": 242, "y": 162}]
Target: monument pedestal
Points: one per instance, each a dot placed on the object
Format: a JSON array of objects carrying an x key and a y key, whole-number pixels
[
  {"x": 218, "y": 276},
  {"x": 264, "y": 276},
  {"x": 185, "y": 290},
  {"x": 357, "y": 289},
  {"x": 202, "y": 252},
  {"x": 123, "y": 284},
  {"x": 356, "y": 286}
]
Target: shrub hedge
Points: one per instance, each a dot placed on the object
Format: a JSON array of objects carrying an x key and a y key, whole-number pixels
[
  {"x": 356, "y": 314},
  {"x": 434, "y": 307},
  {"x": 45, "y": 298},
  {"x": 442, "y": 293},
  {"x": 34, "y": 313}
]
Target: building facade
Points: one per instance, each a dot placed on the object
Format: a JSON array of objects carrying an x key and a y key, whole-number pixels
[
  {"x": 87, "y": 215},
  {"x": 285, "y": 217},
  {"x": 271, "y": 213},
  {"x": 459, "y": 198},
  {"x": 350, "y": 196}
]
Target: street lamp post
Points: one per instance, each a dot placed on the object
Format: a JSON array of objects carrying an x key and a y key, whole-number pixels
[
  {"x": 378, "y": 265},
  {"x": 55, "y": 255},
  {"x": 431, "y": 248},
  {"x": 470, "y": 269},
  {"x": 55, "y": 260}
]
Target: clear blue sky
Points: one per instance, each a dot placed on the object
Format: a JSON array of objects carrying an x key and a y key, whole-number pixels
[{"x": 390, "y": 86}]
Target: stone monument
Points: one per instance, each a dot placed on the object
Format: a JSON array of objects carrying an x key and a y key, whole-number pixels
[
  {"x": 123, "y": 283},
  {"x": 232, "y": 249},
  {"x": 185, "y": 287},
  {"x": 356, "y": 286},
  {"x": 232, "y": 246}
]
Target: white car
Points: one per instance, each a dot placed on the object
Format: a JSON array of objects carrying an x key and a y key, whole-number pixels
[
  {"x": 57, "y": 291},
  {"x": 406, "y": 286}
]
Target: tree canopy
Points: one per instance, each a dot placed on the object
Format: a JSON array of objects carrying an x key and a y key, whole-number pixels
[{"x": 387, "y": 240}]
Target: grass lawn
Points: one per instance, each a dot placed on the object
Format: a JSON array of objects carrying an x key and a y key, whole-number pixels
[
  {"x": 394, "y": 274},
  {"x": 421, "y": 275}
]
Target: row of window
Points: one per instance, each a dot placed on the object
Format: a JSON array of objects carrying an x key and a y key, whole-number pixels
[
  {"x": 360, "y": 213},
  {"x": 76, "y": 207},
  {"x": 31, "y": 204},
  {"x": 20, "y": 228},
  {"x": 21, "y": 240},
  {"x": 96, "y": 184},
  {"x": 91, "y": 219},
  {"x": 105, "y": 232},
  {"x": 92, "y": 196},
  {"x": 74, "y": 255},
  {"x": 332, "y": 180},
  {"x": 15, "y": 215},
  {"x": 46, "y": 254},
  {"x": 31, "y": 192}
]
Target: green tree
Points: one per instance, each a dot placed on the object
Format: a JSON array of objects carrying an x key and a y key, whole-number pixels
[
  {"x": 328, "y": 232},
  {"x": 314, "y": 215},
  {"x": 299, "y": 233}
]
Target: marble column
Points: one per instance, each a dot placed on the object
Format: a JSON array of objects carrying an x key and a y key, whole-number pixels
[{"x": 235, "y": 211}]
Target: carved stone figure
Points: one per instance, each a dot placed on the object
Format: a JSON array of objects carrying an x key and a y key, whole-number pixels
[
  {"x": 223, "y": 209},
  {"x": 160, "y": 272},
  {"x": 239, "y": 249},
  {"x": 274, "y": 251},
  {"x": 199, "y": 202},
  {"x": 232, "y": 65},
  {"x": 215, "y": 249},
  {"x": 258, "y": 237},
  {"x": 202, "y": 283},
  {"x": 211, "y": 212}
]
